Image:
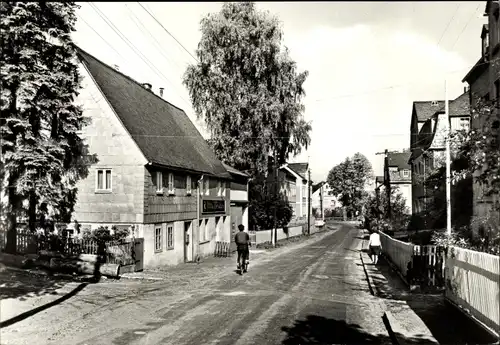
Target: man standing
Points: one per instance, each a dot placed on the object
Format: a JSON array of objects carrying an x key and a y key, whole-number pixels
[{"x": 242, "y": 240}]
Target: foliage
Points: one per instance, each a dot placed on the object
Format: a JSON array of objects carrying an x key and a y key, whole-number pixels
[
  {"x": 481, "y": 147},
  {"x": 375, "y": 212},
  {"x": 462, "y": 238},
  {"x": 262, "y": 205},
  {"x": 43, "y": 156},
  {"x": 348, "y": 181},
  {"x": 103, "y": 234},
  {"x": 246, "y": 87},
  {"x": 475, "y": 157}
]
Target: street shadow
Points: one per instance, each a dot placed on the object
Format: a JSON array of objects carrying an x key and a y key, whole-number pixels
[
  {"x": 23, "y": 285},
  {"x": 46, "y": 306},
  {"x": 320, "y": 330},
  {"x": 430, "y": 308}
]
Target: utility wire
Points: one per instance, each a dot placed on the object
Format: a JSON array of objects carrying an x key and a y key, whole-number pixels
[
  {"x": 138, "y": 22},
  {"x": 448, "y": 25},
  {"x": 131, "y": 45},
  {"x": 168, "y": 32},
  {"x": 466, "y": 25}
]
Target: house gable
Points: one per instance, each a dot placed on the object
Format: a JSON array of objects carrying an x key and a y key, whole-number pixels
[
  {"x": 163, "y": 132},
  {"x": 117, "y": 152}
]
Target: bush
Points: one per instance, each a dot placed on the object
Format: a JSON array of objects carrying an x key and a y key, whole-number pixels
[{"x": 103, "y": 234}]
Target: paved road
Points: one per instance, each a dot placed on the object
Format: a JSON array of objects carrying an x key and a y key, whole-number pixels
[{"x": 309, "y": 293}]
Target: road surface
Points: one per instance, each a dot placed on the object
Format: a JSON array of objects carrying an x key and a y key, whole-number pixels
[{"x": 308, "y": 293}]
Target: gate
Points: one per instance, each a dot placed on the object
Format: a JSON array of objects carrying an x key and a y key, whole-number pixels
[{"x": 427, "y": 267}]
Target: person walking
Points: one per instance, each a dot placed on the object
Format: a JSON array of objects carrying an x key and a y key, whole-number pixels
[
  {"x": 375, "y": 246},
  {"x": 242, "y": 240}
]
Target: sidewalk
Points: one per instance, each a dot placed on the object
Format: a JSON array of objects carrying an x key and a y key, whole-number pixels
[
  {"x": 24, "y": 293},
  {"x": 417, "y": 318}
]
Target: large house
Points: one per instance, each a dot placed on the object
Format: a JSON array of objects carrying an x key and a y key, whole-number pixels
[
  {"x": 484, "y": 83},
  {"x": 294, "y": 185},
  {"x": 428, "y": 145},
  {"x": 156, "y": 175},
  {"x": 399, "y": 175}
]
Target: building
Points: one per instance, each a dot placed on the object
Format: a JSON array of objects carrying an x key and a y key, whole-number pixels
[
  {"x": 294, "y": 186},
  {"x": 399, "y": 175},
  {"x": 322, "y": 197},
  {"x": 428, "y": 150},
  {"x": 484, "y": 83},
  {"x": 156, "y": 175}
]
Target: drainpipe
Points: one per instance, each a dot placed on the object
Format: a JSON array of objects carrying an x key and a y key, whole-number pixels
[{"x": 197, "y": 211}]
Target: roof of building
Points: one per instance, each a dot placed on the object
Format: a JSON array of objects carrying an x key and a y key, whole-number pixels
[
  {"x": 399, "y": 159},
  {"x": 480, "y": 67},
  {"x": 424, "y": 140},
  {"x": 299, "y": 168},
  {"x": 163, "y": 132},
  {"x": 234, "y": 171},
  {"x": 317, "y": 186},
  {"x": 425, "y": 109},
  {"x": 460, "y": 106}
]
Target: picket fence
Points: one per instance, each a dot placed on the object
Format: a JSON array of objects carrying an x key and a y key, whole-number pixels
[
  {"x": 470, "y": 279},
  {"x": 122, "y": 253}
]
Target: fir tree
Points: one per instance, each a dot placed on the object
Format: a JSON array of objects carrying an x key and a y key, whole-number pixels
[{"x": 43, "y": 155}]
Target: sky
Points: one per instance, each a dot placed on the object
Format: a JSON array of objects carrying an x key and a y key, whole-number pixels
[{"x": 367, "y": 61}]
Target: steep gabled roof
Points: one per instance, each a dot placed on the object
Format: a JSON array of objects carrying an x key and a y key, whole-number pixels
[
  {"x": 425, "y": 109},
  {"x": 399, "y": 159},
  {"x": 460, "y": 106},
  {"x": 163, "y": 132},
  {"x": 300, "y": 169}
]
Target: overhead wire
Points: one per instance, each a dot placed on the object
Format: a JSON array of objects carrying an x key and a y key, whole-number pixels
[
  {"x": 168, "y": 32},
  {"x": 143, "y": 29},
  {"x": 132, "y": 46},
  {"x": 466, "y": 25},
  {"x": 448, "y": 25}
]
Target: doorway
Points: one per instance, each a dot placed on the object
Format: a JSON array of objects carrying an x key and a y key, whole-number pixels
[{"x": 188, "y": 241}]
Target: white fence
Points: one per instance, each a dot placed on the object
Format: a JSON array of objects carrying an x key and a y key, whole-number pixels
[
  {"x": 265, "y": 235},
  {"x": 473, "y": 283},
  {"x": 400, "y": 253}
]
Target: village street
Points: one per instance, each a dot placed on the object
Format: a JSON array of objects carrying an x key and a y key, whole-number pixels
[{"x": 310, "y": 292}]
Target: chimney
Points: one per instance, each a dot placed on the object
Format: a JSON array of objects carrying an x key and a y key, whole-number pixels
[
  {"x": 147, "y": 86},
  {"x": 117, "y": 67},
  {"x": 161, "y": 91}
]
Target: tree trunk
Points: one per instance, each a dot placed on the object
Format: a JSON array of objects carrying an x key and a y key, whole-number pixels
[
  {"x": 32, "y": 212},
  {"x": 11, "y": 245}
]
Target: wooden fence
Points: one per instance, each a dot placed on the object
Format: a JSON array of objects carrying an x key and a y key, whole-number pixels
[
  {"x": 123, "y": 253},
  {"x": 471, "y": 279},
  {"x": 473, "y": 283}
]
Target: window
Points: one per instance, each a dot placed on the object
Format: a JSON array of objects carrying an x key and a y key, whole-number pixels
[
  {"x": 158, "y": 238},
  {"x": 219, "y": 188},
  {"x": 223, "y": 188},
  {"x": 203, "y": 228},
  {"x": 170, "y": 236},
  {"x": 485, "y": 44},
  {"x": 406, "y": 173},
  {"x": 159, "y": 182},
  {"x": 207, "y": 186},
  {"x": 188, "y": 185},
  {"x": 103, "y": 180},
  {"x": 171, "y": 185}
]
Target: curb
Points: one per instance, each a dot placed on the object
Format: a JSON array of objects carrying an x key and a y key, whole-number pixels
[
  {"x": 368, "y": 278},
  {"x": 396, "y": 332}
]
